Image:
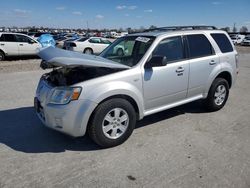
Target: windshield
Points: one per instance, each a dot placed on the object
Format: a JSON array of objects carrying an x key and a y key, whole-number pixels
[{"x": 128, "y": 50}]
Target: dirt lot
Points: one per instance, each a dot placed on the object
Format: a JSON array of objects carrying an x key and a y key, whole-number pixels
[{"x": 181, "y": 147}]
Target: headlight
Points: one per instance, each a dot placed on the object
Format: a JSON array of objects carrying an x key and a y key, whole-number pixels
[{"x": 63, "y": 95}]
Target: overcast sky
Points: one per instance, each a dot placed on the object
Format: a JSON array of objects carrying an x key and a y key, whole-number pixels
[{"x": 123, "y": 13}]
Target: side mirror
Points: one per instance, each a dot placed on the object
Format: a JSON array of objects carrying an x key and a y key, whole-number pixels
[
  {"x": 156, "y": 61},
  {"x": 31, "y": 42}
]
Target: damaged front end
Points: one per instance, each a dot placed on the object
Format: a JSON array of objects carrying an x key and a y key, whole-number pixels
[
  {"x": 72, "y": 67},
  {"x": 57, "y": 101}
]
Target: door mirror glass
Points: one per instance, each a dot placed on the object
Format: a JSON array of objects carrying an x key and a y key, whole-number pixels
[{"x": 156, "y": 61}]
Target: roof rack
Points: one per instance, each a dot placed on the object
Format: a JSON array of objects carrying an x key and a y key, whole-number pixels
[{"x": 178, "y": 28}]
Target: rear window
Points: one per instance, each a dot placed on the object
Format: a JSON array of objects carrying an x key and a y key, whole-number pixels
[
  {"x": 199, "y": 46},
  {"x": 223, "y": 42}
]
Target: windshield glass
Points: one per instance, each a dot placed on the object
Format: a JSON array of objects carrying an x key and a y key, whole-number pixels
[{"x": 128, "y": 50}]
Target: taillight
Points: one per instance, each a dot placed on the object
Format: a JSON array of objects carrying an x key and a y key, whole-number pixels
[{"x": 72, "y": 44}]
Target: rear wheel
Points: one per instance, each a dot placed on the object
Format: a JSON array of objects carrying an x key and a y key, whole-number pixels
[
  {"x": 112, "y": 123},
  {"x": 88, "y": 51},
  {"x": 217, "y": 95},
  {"x": 2, "y": 56}
]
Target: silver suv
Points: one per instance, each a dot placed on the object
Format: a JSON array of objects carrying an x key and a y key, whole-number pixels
[{"x": 153, "y": 71}]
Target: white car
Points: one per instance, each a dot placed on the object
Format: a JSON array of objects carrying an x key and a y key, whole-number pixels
[
  {"x": 16, "y": 44},
  {"x": 237, "y": 39},
  {"x": 93, "y": 45},
  {"x": 246, "y": 41}
]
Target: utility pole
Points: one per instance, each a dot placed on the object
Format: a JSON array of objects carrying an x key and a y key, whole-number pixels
[{"x": 87, "y": 25}]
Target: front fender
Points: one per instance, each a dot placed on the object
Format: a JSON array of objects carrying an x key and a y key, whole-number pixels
[{"x": 110, "y": 89}]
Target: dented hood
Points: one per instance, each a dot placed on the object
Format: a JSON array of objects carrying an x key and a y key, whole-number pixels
[{"x": 63, "y": 58}]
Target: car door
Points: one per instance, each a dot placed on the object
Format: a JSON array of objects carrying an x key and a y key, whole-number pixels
[
  {"x": 9, "y": 44},
  {"x": 96, "y": 45},
  {"x": 167, "y": 84},
  {"x": 26, "y": 45},
  {"x": 202, "y": 62}
]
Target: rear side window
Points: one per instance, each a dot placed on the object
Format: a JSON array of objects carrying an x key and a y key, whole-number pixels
[
  {"x": 223, "y": 42},
  {"x": 171, "y": 48},
  {"x": 9, "y": 38},
  {"x": 95, "y": 40},
  {"x": 199, "y": 46},
  {"x": 1, "y": 38}
]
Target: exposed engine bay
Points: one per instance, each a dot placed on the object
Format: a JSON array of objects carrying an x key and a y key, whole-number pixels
[{"x": 69, "y": 76}]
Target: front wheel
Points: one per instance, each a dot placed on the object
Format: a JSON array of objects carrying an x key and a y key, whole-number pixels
[
  {"x": 217, "y": 95},
  {"x": 2, "y": 56},
  {"x": 112, "y": 123}
]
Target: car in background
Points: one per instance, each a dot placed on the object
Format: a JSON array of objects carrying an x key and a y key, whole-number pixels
[
  {"x": 246, "y": 41},
  {"x": 16, "y": 44},
  {"x": 93, "y": 45},
  {"x": 60, "y": 41},
  {"x": 67, "y": 43},
  {"x": 237, "y": 39}
]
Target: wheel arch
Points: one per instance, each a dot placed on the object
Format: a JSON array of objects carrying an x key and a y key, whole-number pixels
[
  {"x": 227, "y": 76},
  {"x": 121, "y": 96},
  {"x": 89, "y": 49}
]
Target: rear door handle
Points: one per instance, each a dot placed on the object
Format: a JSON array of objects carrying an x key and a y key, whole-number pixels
[
  {"x": 212, "y": 62},
  {"x": 180, "y": 69},
  {"x": 2, "y": 44},
  {"x": 20, "y": 44}
]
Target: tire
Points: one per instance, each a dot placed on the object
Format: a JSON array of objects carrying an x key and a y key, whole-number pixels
[
  {"x": 2, "y": 56},
  {"x": 217, "y": 95},
  {"x": 106, "y": 128},
  {"x": 120, "y": 52},
  {"x": 88, "y": 51}
]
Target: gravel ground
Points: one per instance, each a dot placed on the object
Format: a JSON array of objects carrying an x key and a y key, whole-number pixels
[{"x": 181, "y": 147}]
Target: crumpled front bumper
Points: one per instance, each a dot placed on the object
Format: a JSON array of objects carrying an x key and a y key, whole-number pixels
[{"x": 71, "y": 119}]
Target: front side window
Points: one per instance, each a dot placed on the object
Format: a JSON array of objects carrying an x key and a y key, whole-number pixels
[
  {"x": 199, "y": 46},
  {"x": 22, "y": 38},
  {"x": 170, "y": 48},
  {"x": 9, "y": 38},
  {"x": 128, "y": 50}
]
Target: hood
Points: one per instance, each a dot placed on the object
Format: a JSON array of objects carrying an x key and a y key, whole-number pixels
[{"x": 62, "y": 58}]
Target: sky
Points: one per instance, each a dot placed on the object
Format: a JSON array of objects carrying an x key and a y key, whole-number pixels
[{"x": 99, "y": 14}]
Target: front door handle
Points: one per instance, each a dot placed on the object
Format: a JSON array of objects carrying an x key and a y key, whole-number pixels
[
  {"x": 20, "y": 44},
  {"x": 180, "y": 69},
  {"x": 212, "y": 62},
  {"x": 2, "y": 44}
]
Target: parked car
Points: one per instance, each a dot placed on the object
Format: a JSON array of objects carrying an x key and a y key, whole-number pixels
[
  {"x": 16, "y": 44},
  {"x": 68, "y": 41},
  {"x": 246, "y": 41},
  {"x": 93, "y": 45},
  {"x": 60, "y": 41},
  {"x": 105, "y": 95},
  {"x": 237, "y": 39}
]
